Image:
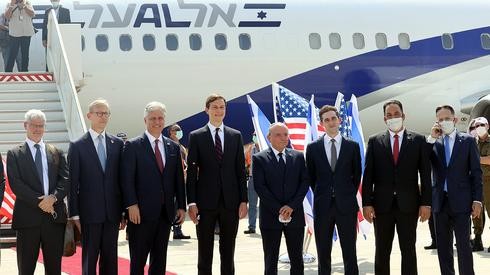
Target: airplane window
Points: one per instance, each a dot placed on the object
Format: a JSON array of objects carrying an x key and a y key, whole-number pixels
[
  {"x": 485, "y": 41},
  {"x": 335, "y": 40},
  {"x": 125, "y": 42},
  {"x": 404, "y": 41},
  {"x": 447, "y": 41},
  {"x": 315, "y": 41},
  {"x": 195, "y": 42},
  {"x": 148, "y": 42},
  {"x": 381, "y": 41},
  {"x": 358, "y": 40},
  {"x": 220, "y": 42},
  {"x": 101, "y": 42},
  {"x": 172, "y": 42},
  {"x": 244, "y": 41},
  {"x": 83, "y": 42}
]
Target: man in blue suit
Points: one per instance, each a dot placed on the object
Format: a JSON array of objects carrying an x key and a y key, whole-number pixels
[
  {"x": 334, "y": 166},
  {"x": 281, "y": 181},
  {"x": 95, "y": 200},
  {"x": 153, "y": 181},
  {"x": 457, "y": 190}
]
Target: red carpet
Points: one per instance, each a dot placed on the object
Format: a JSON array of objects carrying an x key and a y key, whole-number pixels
[{"x": 73, "y": 264}]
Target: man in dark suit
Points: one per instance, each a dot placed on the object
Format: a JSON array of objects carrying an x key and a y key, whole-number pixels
[
  {"x": 38, "y": 176},
  {"x": 281, "y": 181},
  {"x": 63, "y": 16},
  {"x": 334, "y": 166},
  {"x": 391, "y": 195},
  {"x": 152, "y": 180},
  {"x": 216, "y": 186},
  {"x": 457, "y": 192},
  {"x": 95, "y": 198}
]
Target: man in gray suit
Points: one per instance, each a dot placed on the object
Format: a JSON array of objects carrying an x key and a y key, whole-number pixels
[{"x": 38, "y": 177}]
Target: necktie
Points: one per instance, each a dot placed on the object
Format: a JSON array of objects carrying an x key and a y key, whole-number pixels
[
  {"x": 396, "y": 149},
  {"x": 217, "y": 146},
  {"x": 39, "y": 164},
  {"x": 282, "y": 164},
  {"x": 447, "y": 153},
  {"x": 101, "y": 152},
  {"x": 158, "y": 156},
  {"x": 333, "y": 155}
]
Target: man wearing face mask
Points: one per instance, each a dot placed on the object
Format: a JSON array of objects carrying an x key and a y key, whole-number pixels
[
  {"x": 175, "y": 134},
  {"x": 457, "y": 190},
  {"x": 479, "y": 129},
  {"x": 391, "y": 195}
]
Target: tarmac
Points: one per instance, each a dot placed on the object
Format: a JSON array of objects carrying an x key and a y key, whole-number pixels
[{"x": 182, "y": 255}]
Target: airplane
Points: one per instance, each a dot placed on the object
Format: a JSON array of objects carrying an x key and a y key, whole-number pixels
[{"x": 424, "y": 53}]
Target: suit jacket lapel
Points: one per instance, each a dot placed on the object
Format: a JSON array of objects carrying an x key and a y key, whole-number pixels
[
  {"x": 387, "y": 144},
  {"x": 89, "y": 143},
  {"x": 227, "y": 138},
  {"x": 166, "y": 148},
  {"x": 343, "y": 149},
  {"x": 456, "y": 147},
  {"x": 439, "y": 150},
  {"x": 289, "y": 161},
  {"x": 109, "y": 142},
  {"x": 149, "y": 149},
  {"x": 51, "y": 168},
  {"x": 406, "y": 140}
]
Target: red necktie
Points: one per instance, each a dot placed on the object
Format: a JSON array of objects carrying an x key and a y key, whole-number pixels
[
  {"x": 158, "y": 156},
  {"x": 396, "y": 149}
]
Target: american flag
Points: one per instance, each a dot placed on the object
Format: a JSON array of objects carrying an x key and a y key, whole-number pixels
[
  {"x": 293, "y": 109},
  {"x": 345, "y": 127},
  {"x": 7, "y": 207}
]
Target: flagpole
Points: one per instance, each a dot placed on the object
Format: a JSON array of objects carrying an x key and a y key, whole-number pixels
[
  {"x": 275, "y": 93},
  {"x": 307, "y": 257}
]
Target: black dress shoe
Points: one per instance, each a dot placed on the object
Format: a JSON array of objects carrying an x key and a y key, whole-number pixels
[
  {"x": 431, "y": 246},
  {"x": 249, "y": 231},
  {"x": 181, "y": 237}
]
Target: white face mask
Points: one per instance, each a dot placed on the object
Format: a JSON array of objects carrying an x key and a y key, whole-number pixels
[
  {"x": 447, "y": 126},
  {"x": 473, "y": 133},
  {"x": 179, "y": 134},
  {"x": 395, "y": 124},
  {"x": 481, "y": 131},
  {"x": 55, "y": 4}
]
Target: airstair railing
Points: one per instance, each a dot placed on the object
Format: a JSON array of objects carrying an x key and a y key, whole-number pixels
[{"x": 58, "y": 63}]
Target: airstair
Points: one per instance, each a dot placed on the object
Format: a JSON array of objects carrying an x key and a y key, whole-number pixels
[{"x": 54, "y": 92}]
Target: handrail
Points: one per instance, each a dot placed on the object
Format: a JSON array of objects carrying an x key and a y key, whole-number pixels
[{"x": 58, "y": 63}]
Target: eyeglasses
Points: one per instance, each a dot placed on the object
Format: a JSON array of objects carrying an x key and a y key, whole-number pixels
[
  {"x": 476, "y": 126},
  {"x": 102, "y": 114}
]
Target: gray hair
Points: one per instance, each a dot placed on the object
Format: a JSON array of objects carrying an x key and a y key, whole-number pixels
[
  {"x": 155, "y": 106},
  {"x": 34, "y": 114},
  {"x": 98, "y": 102}
]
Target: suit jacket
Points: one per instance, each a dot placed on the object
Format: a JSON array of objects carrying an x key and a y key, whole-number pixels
[
  {"x": 207, "y": 177},
  {"x": 95, "y": 196},
  {"x": 27, "y": 187},
  {"x": 382, "y": 178},
  {"x": 143, "y": 184},
  {"x": 345, "y": 180},
  {"x": 63, "y": 18},
  {"x": 463, "y": 174},
  {"x": 273, "y": 193}
]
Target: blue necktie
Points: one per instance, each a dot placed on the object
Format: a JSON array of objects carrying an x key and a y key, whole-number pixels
[
  {"x": 39, "y": 164},
  {"x": 447, "y": 152},
  {"x": 101, "y": 152}
]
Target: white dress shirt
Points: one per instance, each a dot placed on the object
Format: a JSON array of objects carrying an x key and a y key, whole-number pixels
[
  {"x": 400, "y": 139},
  {"x": 44, "y": 159},
  {"x": 95, "y": 138},
  {"x": 221, "y": 134},
  {"x": 276, "y": 154},
  {"x": 160, "y": 144},
  {"x": 327, "y": 143}
]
